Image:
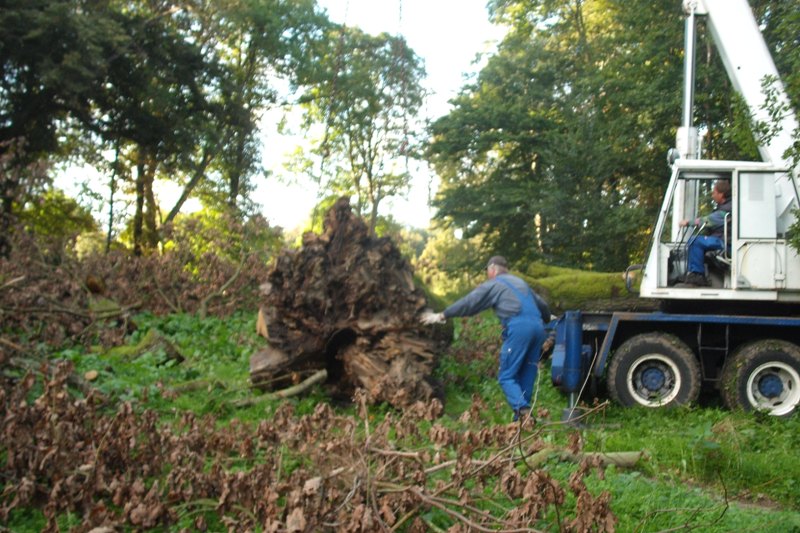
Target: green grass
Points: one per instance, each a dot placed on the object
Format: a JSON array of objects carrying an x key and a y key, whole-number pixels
[
  {"x": 699, "y": 458},
  {"x": 706, "y": 469}
]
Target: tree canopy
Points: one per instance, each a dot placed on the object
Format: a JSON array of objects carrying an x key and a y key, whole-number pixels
[
  {"x": 174, "y": 90},
  {"x": 557, "y": 150},
  {"x": 367, "y": 94}
]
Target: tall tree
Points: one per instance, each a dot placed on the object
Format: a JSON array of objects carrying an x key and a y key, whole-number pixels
[
  {"x": 52, "y": 59},
  {"x": 367, "y": 96},
  {"x": 567, "y": 128},
  {"x": 174, "y": 89},
  {"x": 120, "y": 72},
  {"x": 257, "y": 42},
  {"x": 161, "y": 104}
]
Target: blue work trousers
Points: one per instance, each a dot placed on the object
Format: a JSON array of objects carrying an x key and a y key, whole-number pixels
[
  {"x": 698, "y": 247},
  {"x": 523, "y": 336}
]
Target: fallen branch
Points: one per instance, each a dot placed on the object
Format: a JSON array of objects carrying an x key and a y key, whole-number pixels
[
  {"x": 303, "y": 386},
  {"x": 259, "y": 382},
  {"x": 11, "y": 345},
  {"x": 294, "y": 390},
  {"x": 191, "y": 386},
  {"x": 11, "y": 282},
  {"x": 151, "y": 342},
  {"x": 175, "y": 308},
  {"x": 396, "y": 453},
  {"x": 622, "y": 459}
]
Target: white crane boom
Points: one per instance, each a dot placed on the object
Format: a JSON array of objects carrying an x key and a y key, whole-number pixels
[{"x": 749, "y": 65}]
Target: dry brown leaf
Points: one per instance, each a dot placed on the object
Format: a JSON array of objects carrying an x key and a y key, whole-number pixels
[{"x": 296, "y": 521}]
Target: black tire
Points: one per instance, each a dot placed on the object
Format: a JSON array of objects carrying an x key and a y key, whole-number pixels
[
  {"x": 763, "y": 376},
  {"x": 654, "y": 370}
]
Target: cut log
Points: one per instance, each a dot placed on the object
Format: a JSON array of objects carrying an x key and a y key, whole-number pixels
[
  {"x": 346, "y": 302},
  {"x": 620, "y": 459}
]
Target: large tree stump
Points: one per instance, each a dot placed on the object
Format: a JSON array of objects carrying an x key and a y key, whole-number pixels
[{"x": 346, "y": 302}]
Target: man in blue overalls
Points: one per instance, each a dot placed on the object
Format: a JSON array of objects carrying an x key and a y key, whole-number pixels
[{"x": 522, "y": 313}]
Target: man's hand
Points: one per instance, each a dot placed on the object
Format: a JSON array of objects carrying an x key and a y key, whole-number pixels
[{"x": 430, "y": 317}]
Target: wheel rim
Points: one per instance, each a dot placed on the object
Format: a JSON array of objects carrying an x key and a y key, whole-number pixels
[
  {"x": 774, "y": 387},
  {"x": 653, "y": 380}
]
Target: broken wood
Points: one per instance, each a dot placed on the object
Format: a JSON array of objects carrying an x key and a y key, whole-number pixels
[
  {"x": 346, "y": 302},
  {"x": 316, "y": 377},
  {"x": 11, "y": 282},
  {"x": 203, "y": 310},
  {"x": 620, "y": 459},
  {"x": 261, "y": 324},
  {"x": 12, "y": 345}
]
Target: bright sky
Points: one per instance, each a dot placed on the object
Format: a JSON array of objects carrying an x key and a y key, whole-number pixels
[{"x": 448, "y": 35}]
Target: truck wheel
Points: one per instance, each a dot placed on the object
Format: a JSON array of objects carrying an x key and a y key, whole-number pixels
[
  {"x": 763, "y": 376},
  {"x": 654, "y": 370}
]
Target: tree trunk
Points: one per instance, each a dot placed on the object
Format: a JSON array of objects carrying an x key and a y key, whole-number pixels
[
  {"x": 6, "y": 215},
  {"x": 199, "y": 173},
  {"x": 151, "y": 237},
  {"x": 138, "y": 215}
]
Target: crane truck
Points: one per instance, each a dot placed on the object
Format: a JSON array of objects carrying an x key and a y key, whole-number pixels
[{"x": 740, "y": 335}]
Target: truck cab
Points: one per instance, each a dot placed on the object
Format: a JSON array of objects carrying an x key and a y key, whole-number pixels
[{"x": 756, "y": 264}]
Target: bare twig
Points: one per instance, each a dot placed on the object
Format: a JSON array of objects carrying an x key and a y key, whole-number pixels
[
  {"x": 436, "y": 502},
  {"x": 11, "y": 282},
  {"x": 204, "y": 302},
  {"x": 175, "y": 308},
  {"x": 11, "y": 345},
  {"x": 303, "y": 386},
  {"x": 412, "y": 455}
]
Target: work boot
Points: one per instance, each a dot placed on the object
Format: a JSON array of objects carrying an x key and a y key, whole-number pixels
[
  {"x": 521, "y": 414},
  {"x": 696, "y": 279}
]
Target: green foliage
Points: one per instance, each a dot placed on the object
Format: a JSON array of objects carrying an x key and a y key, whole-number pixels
[
  {"x": 696, "y": 457},
  {"x": 53, "y": 59},
  {"x": 563, "y": 288},
  {"x": 223, "y": 234},
  {"x": 53, "y": 215},
  {"x": 56, "y": 222},
  {"x": 519, "y": 154},
  {"x": 448, "y": 265},
  {"x": 556, "y": 151},
  {"x": 214, "y": 373},
  {"x": 725, "y": 450},
  {"x": 366, "y": 92},
  {"x": 793, "y": 235},
  {"x": 255, "y": 40},
  {"x": 779, "y": 21},
  {"x": 410, "y": 241},
  {"x": 174, "y": 92}
]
